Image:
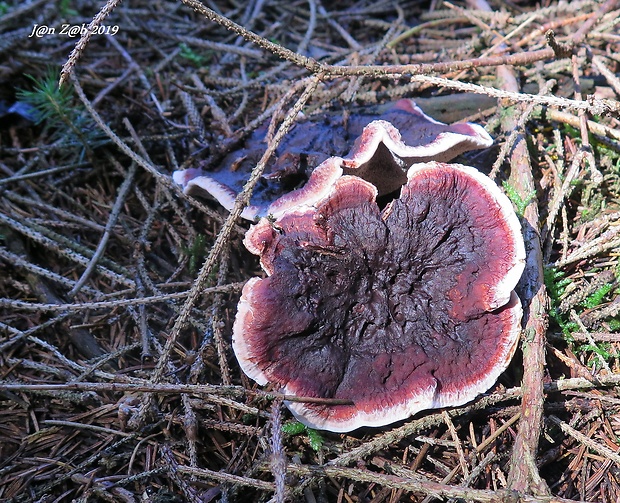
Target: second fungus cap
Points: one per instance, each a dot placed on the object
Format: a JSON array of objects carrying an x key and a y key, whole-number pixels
[{"x": 384, "y": 146}]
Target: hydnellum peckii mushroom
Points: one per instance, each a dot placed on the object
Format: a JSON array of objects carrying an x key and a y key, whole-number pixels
[
  {"x": 397, "y": 310},
  {"x": 401, "y": 136}
]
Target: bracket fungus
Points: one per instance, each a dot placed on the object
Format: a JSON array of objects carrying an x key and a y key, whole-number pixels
[
  {"x": 396, "y": 310},
  {"x": 397, "y": 137}
]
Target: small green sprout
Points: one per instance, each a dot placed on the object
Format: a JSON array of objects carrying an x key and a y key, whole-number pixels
[
  {"x": 519, "y": 202},
  {"x": 603, "y": 350},
  {"x": 64, "y": 7},
  {"x": 296, "y": 428},
  {"x": 555, "y": 282},
  {"x": 197, "y": 253},
  {"x": 614, "y": 324},
  {"x": 192, "y": 56},
  {"x": 52, "y": 104},
  {"x": 315, "y": 439},
  {"x": 596, "y": 298},
  {"x": 556, "y": 285},
  {"x": 55, "y": 108},
  {"x": 248, "y": 419}
]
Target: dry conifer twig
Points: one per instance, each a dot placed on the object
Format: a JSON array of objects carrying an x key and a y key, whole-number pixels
[
  {"x": 85, "y": 306},
  {"x": 278, "y": 456},
  {"x": 81, "y": 44},
  {"x": 114, "y": 214},
  {"x": 421, "y": 486},
  {"x": 226, "y": 406},
  {"x": 586, "y": 441},
  {"x": 524, "y": 476},
  {"x": 594, "y": 106},
  {"x": 457, "y": 443},
  {"x": 62, "y": 246},
  {"x": 226, "y": 477},
  {"x": 330, "y": 71},
  {"x": 223, "y": 236},
  {"x": 514, "y": 134},
  {"x": 217, "y": 324}
]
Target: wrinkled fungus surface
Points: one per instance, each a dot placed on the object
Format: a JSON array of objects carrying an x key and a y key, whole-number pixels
[
  {"x": 399, "y": 310},
  {"x": 397, "y": 137}
]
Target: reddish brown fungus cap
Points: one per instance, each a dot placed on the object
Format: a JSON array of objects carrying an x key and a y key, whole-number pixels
[
  {"x": 399, "y": 310},
  {"x": 384, "y": 146}
]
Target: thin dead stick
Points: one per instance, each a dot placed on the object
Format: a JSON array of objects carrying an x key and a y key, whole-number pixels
[
  {"x": 42, "y": 173},
  {"x": 33, "y": 307},
  {"x": 114, "y": 213},
  {"x": 586, "y": 441},
  {"x": 592, "y": 248},
  {"x": 303, "y": 45},
  {"x": 562, "y": 195},
  {"x": 457, "y": 443},
  {"x": 419, "y": 486},
  {"x": 190, "y": 493},
  {"x": 278, "y": 454},
  {"x": 21, "y": 263},
  {"x": 224, "y": 235},
  {"x": 523, "y": 475},
  {"x": 586, "y": 27},
  {"x": 365, "y": 70},
  {"x": 353, "y": 44},
  {"x": 604, "y": 313},
  {"x": 421, "y": 27},
  {"x": 62, "y": 214},
  {"x": 551, "y": 25},
  {"x": 588, "y": 156},
  {"x": 99, "y": 18},
  {"x": 516, "y": 132},
  {"x": 91, "y": 427},
  {"x": 168, "y": 389},
  {"x": 19, "y": 10},
  {"x": 611, "y": 78},
  {"x": 226, "y": 477},
  {"x": 597, "y": 336},
  {"x": 217, "y": 324},
  {"x": 598, "y": 129},
  {"x": 36, "y": 233},
  {"x": 18, "y": 335},
  {"x": 581, "y": 383},
  {"x": 487, "y": 441},
  {"x": 594, "y": 106},
  {"x": 602, "y": 362}
]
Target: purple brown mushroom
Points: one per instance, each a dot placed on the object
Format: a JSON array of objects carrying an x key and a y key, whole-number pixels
[
  {"x": 384, "y": 146},
  {"x": 397, "y": 310}
]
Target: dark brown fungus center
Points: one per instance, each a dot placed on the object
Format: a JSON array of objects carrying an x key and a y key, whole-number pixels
[{"x": 398, "y": 310}]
